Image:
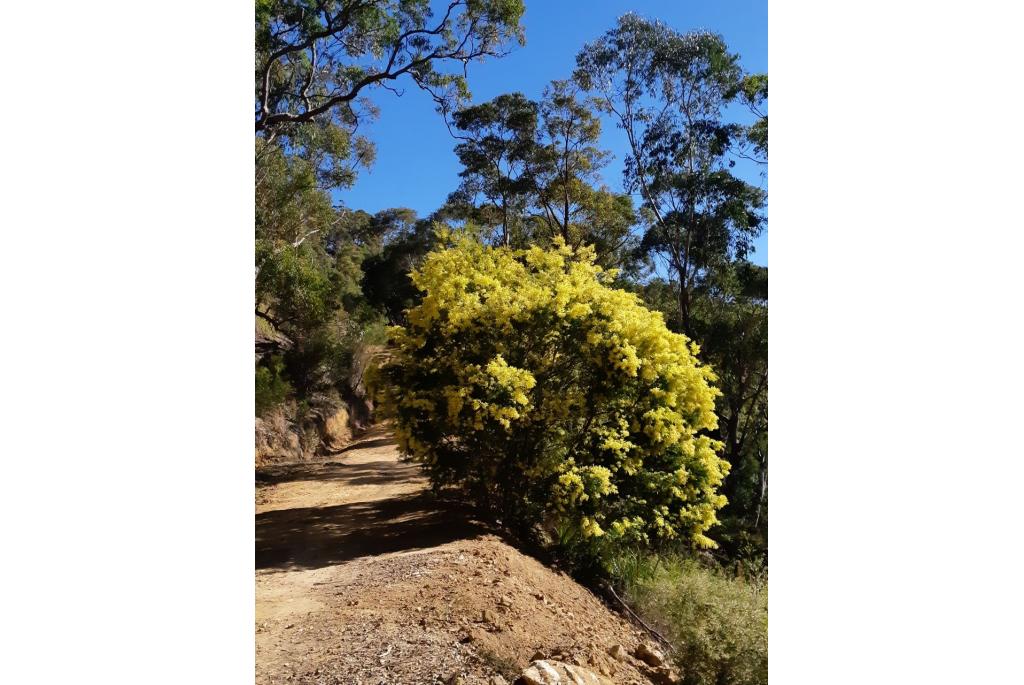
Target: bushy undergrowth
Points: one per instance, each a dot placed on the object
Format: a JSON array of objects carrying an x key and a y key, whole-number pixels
[
  {"x": 554, "y": 398},
  {"x": 716, "y": 622},
  {"x": 272, "y": 388}
]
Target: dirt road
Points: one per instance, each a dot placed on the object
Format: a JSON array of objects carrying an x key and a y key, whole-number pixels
[{"x": 362, "y": 577}]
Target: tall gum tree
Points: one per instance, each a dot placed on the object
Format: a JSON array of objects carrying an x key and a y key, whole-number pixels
[
  {"x": 317, "y": 61},
  {"x": 531, "y": 173},
  {"x": 668, "y": 92},
  {"x": 315, "y": 58}
]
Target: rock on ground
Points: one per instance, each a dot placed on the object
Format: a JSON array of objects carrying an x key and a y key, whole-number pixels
[{"x": 542, "y": 672}]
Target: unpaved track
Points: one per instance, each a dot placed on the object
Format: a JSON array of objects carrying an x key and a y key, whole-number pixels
[
  {"x": 363, "y": 577},
  {"x": 364, "y": 502}
]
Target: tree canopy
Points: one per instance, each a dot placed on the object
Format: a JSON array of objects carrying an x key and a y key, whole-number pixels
[
  {"x": 317, "y": 60},
  {"x": 531, "y": 171},
  {"x": 668, "y": 92}
]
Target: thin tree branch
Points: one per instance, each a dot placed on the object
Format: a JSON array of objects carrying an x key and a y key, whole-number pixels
[{"x": 636, "y": 617}]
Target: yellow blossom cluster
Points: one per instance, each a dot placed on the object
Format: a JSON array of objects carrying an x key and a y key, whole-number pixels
[{"x": 526, "y": 378}]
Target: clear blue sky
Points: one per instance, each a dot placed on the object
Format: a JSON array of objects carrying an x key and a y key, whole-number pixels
[{"x": 416, "y": 166}]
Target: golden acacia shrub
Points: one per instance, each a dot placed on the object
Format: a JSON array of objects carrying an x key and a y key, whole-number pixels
[{"x": 525, "y": 378}]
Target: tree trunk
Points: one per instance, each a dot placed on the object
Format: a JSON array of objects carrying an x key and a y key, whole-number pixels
[
  {"x": 684, "y": 308},
  {"x": 729, "y": 488},
  {"x": 764, "y": 487}
]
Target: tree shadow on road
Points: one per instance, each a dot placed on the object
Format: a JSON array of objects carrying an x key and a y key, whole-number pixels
[
  {"x": 365, "y": 473},
  {"x": 322, "y": 536}
]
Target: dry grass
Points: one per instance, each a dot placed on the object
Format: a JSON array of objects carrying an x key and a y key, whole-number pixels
[{"x": 717, "y": 623}]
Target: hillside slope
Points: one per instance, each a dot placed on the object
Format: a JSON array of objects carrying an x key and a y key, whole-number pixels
[{"x": 362, "y": 577}]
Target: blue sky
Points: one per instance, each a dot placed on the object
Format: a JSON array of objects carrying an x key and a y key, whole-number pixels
[{"x": 416, "y": 166}]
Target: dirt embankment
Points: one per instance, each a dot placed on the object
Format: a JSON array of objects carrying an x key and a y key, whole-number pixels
[{"x": 362, "y": 577}]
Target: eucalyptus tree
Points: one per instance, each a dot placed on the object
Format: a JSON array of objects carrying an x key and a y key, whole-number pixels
[
  {"x": 754, "y": 94},
  {"x": 571, "y": 200},
  {"x": 531, "y": 172},
  {"x": 497, "y": 149},
  {"x": 669, "y": 93},
  {"x": 317, "y": 63},
  {"x": 318, "y": 60}
]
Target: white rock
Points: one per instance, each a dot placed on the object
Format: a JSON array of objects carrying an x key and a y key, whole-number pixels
[
  {"x": 551, "y": 672},
  {"x": 541, "y": 673},
  {"x": 580, "y": 676}
]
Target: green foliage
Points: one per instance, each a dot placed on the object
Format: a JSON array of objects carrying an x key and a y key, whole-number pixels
[
  {"x": 271, "y": 387},
  {"x": 754, "y": 94},
  {"x": 668, "y": 91},
  {"x": 742, "y": 547},
  {"x": 531, "y": 173},
  {"x": 316, "y": 64},
  {"x": 318, "y": 60},
  {"x": 290, "y": 201},
  {"x": 525, "y": 378},
  {"x": 386, "y": 283},
  {"x": 309, "y": 258},
  {"x": 717, "y": 623},
  {"x": 497, "y": 149},
  {"x": 298, "y": 284}
]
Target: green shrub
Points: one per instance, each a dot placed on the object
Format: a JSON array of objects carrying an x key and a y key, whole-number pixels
[
  {"x": 299, "y": 285},
  {"x": 717, "y": 624},
  {"x": 553, "y": 397},
  {"x": 271, "y": 387}
]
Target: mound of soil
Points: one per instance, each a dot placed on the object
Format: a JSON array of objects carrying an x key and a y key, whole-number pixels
[{"x": 362, "y": 577}]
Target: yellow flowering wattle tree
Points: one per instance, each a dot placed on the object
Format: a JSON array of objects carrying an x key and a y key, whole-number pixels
[{"x": 525, "y": 378}]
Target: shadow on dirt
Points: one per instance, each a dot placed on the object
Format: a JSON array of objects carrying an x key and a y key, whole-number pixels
[
  {"x": 322, "y": 536},
  {"x": 366, "y": 444},
  {"x": 378, "y": 523},
  {"x": 367, "y": 473}
]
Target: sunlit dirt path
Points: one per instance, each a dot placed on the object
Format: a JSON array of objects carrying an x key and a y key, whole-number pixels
[{"x": 362, "y": 576}]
